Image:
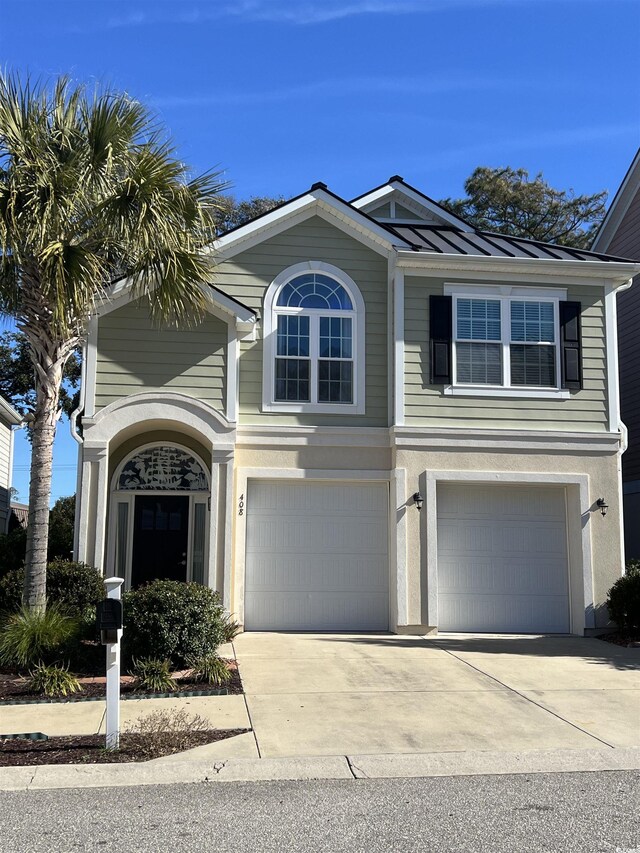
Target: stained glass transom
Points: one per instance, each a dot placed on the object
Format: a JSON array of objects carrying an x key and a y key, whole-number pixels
[
  {"x": 314, "y": 290},
  {"x": 163, "y": 467}
]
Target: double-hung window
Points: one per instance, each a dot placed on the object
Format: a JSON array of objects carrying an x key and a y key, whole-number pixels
[
  {"x": 313, "y": 345},
  {"x": 506, "y": 340}
]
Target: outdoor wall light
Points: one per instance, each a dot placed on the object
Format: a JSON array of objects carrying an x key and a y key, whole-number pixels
[
  {"x": 602, "y": 505},
  {"x": 418, "y": 500}
]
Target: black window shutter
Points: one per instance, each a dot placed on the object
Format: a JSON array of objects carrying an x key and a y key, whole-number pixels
[
  {"x": 440, "y": 340},
  {"x": 571, "y": 345}
]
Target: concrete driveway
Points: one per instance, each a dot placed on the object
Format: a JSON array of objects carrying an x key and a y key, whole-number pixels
[{"x": 323, "y": 694}]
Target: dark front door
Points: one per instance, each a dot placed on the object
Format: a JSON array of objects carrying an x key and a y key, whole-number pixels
[{"x": 160, "y": 537}]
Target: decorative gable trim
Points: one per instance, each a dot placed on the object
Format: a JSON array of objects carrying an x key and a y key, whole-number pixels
[
  {"x": 397, "y": 190},
  {"x": 319, "y": 201}
]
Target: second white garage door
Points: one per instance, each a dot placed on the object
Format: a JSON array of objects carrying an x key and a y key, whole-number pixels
[
  {"x": 502, "y": 559},
  {"x": 317, "y": 557}
]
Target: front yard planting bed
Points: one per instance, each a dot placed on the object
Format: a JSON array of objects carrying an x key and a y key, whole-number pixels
[
  {"x": 90, "y": 749},
  {"x": 14, "y": 689},
  {"x": 620, "y": 639}
]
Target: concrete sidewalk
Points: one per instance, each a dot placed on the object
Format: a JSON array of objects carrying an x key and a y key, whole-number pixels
[{"x": 316, "y": 767}]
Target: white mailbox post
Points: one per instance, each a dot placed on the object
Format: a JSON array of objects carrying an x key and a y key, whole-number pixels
[{"x": 113, "y": 587}]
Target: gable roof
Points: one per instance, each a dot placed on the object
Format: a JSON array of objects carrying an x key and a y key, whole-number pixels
[
  {"x": 397, "y": 186},
  {"x": 454, "y": 238},
  {"x": 626, "y": 193},
  {"x": 318, "y": 198}
]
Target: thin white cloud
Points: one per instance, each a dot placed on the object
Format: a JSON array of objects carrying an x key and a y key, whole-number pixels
[
  {"x": 297, "y": 12},
  {"x": 348, "y": 87},
  {"x": 502, "y": 146}
]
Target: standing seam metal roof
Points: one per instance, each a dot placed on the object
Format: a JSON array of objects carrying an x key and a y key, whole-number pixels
[{"x": 441, "y": 239}]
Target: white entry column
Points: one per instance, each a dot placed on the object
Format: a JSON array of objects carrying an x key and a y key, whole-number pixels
[{"x": 221, "y": 521}]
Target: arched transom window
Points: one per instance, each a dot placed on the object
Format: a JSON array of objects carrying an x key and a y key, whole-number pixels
[
  {"x": 160, "y": 468},
  {"x": 315, "y": 340}
]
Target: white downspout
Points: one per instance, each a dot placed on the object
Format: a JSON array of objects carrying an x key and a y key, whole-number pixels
[{"x": 615, "y": 420}]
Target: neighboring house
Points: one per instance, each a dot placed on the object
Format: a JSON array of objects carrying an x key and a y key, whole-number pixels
[
  {"x": 18, "y": 515},
  {"x": 620, "y": 235},
  {"x": 8, "y": 419},
  {"x": 359, "y": 359}
]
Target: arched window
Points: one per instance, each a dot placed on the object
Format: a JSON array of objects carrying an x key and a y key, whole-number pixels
[
  {"x": 314, "y": 341},
  {"x": 160, "y": 468}
]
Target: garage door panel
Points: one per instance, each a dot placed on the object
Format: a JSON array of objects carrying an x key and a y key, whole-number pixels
[
  {"x": 315, "y": 535},
  {"x": 502, "y": 558},
  {"x": 502, "y": 576},
  {"x": 289, "y": 572},
  {"x": 478, "y": 501},
  {"x": 503, "y": 537},
  {"x": 504, "y": 614},
  {"x": 317, "y": 556},
  {"x": 292, "y": 611}
]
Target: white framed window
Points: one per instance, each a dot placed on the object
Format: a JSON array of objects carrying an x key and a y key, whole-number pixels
[
  {"x": 506, "y": 341},
  {"x": 313, "y": 341}
]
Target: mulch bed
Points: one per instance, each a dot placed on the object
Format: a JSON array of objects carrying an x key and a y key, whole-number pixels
[
  {"x": 628, "y": 640},
  {"x": 90, "y": 749},
  {"x": 14, "y": 690}
]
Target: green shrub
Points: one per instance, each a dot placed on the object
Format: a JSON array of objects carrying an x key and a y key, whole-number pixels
[
  {"x": 75, "y": 587},
  {"x": 212, "y": 669},
  {"x": 27, "y": 637},
  {"x": 53, "y": 680},
  {"x": 13, "y": 547},
  {"x": 623, "y": 602},
  {"x": 153, "y": 674},
  {"x": 230, "y": 628},
  {"x": 61, "y": 524},
  {"x": 172, "y": 620}
]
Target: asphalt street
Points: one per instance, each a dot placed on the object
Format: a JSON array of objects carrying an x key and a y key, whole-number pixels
[{"x": 559, "y": 813}]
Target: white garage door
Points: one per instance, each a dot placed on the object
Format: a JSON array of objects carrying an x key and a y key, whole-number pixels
[
  {"x": 502, "y": 559},
  {"x": 317, "y": 557}
]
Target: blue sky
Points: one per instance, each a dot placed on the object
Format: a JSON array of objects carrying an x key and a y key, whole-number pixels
[{"x": 282, "y": 93}]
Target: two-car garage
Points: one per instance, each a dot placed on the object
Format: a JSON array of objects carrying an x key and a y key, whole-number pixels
[{"x": 317, "y": 557}]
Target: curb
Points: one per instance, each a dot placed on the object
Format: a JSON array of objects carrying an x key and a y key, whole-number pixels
[{"x": 338, "y": 767}]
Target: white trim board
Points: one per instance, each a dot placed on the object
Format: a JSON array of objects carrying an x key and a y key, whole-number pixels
[{"x": 596, "y": 273}]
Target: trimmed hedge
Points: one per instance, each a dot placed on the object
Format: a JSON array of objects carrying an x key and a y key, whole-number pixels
[
  {"x": 75, "y": 587},
  {"x": 172, "y": 620},
  {"x": 623, "y": 602}
]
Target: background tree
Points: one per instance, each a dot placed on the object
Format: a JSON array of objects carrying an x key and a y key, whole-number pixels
[
  {"x": 508, "y": 202},
  {"x": 90, "y": 193},
  {"x": 231, "y": 213},
  {"x": 17, "y": 378}
]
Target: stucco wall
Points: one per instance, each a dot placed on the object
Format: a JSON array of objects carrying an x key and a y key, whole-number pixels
[{"x": 602, "y": 471}]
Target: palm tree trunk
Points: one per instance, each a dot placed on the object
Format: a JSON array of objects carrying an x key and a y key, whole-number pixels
[{"x": 49, "y": 358}]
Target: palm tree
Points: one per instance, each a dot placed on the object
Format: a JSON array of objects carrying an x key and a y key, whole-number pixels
[{"x": 90, "y": 193}]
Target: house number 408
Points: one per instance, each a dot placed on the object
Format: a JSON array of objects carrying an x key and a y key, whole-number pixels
[{"x": 241, "y": 505}]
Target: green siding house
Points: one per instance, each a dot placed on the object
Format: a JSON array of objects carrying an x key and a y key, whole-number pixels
[{"x": 388, "y": 420}]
